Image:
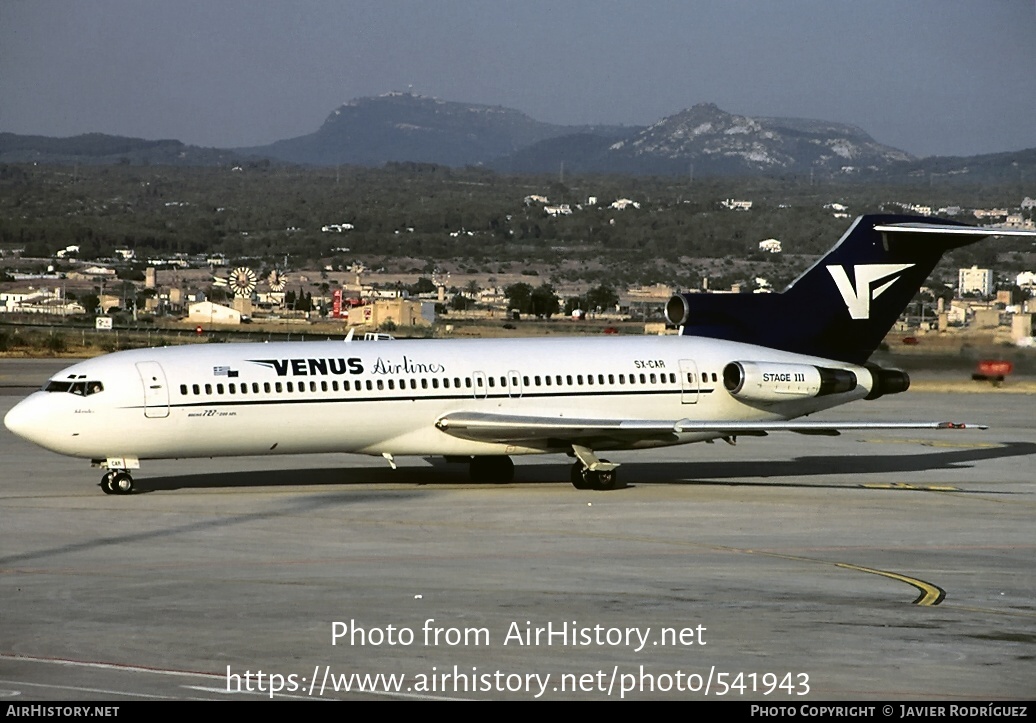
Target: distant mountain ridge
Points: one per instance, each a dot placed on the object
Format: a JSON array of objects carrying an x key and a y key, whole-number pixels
[
  {"x": 102, "y": 149},
  {"x": 707, "y": 141},
  {"x": 700, "y": 141},
  {"x": 408, "y": 127}
]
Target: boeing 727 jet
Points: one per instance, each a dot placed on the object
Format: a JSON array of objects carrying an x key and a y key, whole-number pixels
[{"x": 742, "y": 365}]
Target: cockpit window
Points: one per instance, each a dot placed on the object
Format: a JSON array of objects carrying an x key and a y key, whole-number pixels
[{"x": 82, "y": 389}]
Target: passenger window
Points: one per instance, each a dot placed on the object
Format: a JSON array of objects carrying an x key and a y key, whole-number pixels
[
  {"x": 196, "y": 389},
  {"x": 183, "y": 389},
  {"x": 290, "y": 386},
  {"x": 435, "y": 383},
  {"x": 381, "y": 385},
  {"x": 208, "y": 389},
  {"x": 278, "y": 387}
]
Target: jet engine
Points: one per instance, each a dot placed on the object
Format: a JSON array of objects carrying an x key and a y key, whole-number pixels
[
  {"x": 886, "y": 381},
  {"x": 777, "y": 382}
]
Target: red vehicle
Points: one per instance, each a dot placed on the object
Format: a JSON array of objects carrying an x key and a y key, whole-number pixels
[{"x": 992, "y": 370}]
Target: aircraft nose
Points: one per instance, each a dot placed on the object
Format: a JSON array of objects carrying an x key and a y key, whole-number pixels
[{"x": 26, "y": 419}]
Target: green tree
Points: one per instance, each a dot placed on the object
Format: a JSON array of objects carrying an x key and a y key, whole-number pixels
[
  {"x": 519, "y": 297},
  {"x": 601, "y": 298},
  {"x": 544, "y": 301}
]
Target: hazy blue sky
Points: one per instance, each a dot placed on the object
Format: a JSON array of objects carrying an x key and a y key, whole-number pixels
[{"x": 942, "y": 77}]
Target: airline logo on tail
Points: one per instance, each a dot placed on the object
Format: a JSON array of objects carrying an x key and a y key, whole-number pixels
[{"x": 858, "y": 299}]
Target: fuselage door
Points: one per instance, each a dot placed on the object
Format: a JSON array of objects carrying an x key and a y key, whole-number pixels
[
  {"x": 689, "y": 381},
  {"x": 156, "y": 391},
  {"x": 514, "y": 384}
]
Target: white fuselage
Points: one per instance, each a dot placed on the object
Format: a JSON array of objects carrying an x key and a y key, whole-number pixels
[{"x": 385, "y": 397}]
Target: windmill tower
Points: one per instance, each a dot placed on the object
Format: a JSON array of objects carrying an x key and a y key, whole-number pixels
[
  {"x": 441, "y": 279},
  {"x": 276, "y": 280},
  {"x": 242, "y": 283},
  {"x": 359, "y": 270}
]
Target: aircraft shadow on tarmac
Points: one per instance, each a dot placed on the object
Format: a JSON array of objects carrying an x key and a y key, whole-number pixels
[{"x": 793, "y": 472}]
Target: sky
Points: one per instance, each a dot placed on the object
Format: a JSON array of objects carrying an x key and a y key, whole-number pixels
[{"x": 931, "y": 77}]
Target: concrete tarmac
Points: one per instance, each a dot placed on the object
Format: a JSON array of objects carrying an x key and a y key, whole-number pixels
[{"x": 788, "y": 569}]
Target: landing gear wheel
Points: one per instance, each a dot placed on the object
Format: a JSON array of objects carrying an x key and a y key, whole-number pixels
[
  {"x": 606, "y": 480},
  {"x": 491, "y": 469},
  {"x": 122, "y": 483},
  {"x": 579, "y": 477},
  {"x": 107, "y": 483}
]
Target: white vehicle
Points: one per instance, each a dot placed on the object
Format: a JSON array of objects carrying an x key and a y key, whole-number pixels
[{"x": 743, "y": 365}]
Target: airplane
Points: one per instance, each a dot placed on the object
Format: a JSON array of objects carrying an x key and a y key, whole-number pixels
[{"x": 743, "y": 365}]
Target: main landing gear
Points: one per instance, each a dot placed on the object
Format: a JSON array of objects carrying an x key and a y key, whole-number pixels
[
  {"x": 117, "y": 482},
  {"x": 586, "y": 479},
  {"x": 590, "y": 473}
]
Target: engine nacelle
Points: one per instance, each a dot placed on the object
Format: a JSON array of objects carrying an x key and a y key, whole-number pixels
[
  {"x": 776, "y": 382},
  {"x": 677, "y": 310},
  {"x": 886, "y": 381}
]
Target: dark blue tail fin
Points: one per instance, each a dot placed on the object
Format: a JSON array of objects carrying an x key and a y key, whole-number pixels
[{"x": 844, "y": 305}]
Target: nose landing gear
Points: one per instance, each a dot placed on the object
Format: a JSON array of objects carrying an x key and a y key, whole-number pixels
[{"x": 117, "y": 482}]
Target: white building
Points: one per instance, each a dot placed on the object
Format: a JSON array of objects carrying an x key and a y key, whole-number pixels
[
  {"x": 562, "y": 210},
  {"x": 622, "y": 203},
  {"x": 735, "y": 205},
  {"x": 205, "y": 312},
  {"x": 38, "y": 301},
  {"x": 770, "y": 245},
  {"x": 975, "y": 280}
]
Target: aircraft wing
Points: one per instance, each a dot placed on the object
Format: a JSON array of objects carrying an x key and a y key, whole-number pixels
[
  {"x": 514, "y": 428},
  {"x": 486, "y": 427}
]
